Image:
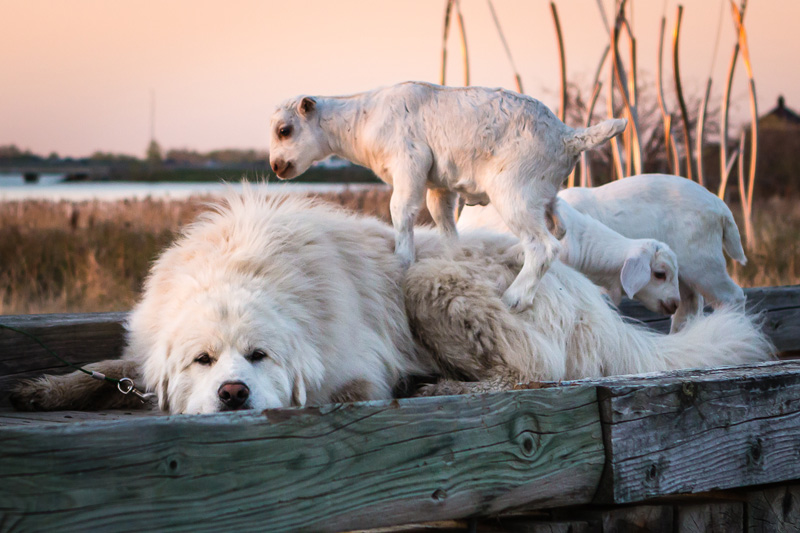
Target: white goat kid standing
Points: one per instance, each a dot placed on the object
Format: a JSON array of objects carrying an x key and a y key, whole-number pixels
[
  {"x": 485, "y": 144},
  {"x": 643, "y": 269},
  {"x": 694, "y": 222}
]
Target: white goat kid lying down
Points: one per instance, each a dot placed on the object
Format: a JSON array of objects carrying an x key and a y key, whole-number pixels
[
  {"x": 643, "y": 269},
  {"x": 694, "y": 222},
  {"x": 485, "y": 144},
  {"x": 276, "y": 302}
]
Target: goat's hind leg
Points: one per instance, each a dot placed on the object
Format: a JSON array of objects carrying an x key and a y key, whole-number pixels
[
  {"x": 442, "y": 205},
  {"x": 526, "y": 219}
]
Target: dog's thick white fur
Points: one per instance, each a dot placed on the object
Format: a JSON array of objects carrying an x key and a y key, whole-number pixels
[
  {"x": 643, "y": 269},
  {"x": 302, "y": 303},
  {"x": 485, "y": 144},
  {"x": 696, "y": 224}
]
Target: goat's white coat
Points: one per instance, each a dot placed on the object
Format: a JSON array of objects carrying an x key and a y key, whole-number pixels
[
  {"x": 695, "y": 223},
  {"x": 427, "y": 140},
  {"x": 616, "y": 263}
]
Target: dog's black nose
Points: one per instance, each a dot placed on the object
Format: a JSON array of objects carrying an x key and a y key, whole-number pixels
[{"x": 233, "y": 394}]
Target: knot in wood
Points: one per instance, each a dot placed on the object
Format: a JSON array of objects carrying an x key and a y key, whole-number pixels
[
  {"x": 754, "y": 453},
  {"x": 528, "y": 442},
  {"x": 652, "y": 472},
  {"x": 439, "y": 495}
]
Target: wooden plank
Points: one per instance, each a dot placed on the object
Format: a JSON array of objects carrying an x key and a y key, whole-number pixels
[
  {"x": 328, "y": 468},
  {"x": 650, "y": 518},
  {"x": 9, "y": 416},
  {"x": 775, "y": 509},
  {"x": 725, "y": 517},
  {"x": 523, "y": 525},
  {"x": 78, "y": 338},
  {"x": 700, "y": 430}
]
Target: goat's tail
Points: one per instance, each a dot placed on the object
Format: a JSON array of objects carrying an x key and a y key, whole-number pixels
[
  {"x": 727, "y": 336},
  {"x": 582, "y": 139},
  {"x": 731, "y": 239}
]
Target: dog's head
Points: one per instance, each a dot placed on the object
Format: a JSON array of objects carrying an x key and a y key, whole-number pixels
[
  {"x": 296, "y": 139},
  {"x": 226, "y": 348}
]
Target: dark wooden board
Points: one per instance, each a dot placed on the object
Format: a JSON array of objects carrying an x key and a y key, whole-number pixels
[
  {"x": 695, "y": 431},
  {"x": 78, "y": 338},
  {"x": 774, "y": 509},
  {"x": 724, "y": 517},
  {"x": 330, "y": 468}
]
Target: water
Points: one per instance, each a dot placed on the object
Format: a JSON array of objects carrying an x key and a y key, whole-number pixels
[{"x": 51, "y": 187}]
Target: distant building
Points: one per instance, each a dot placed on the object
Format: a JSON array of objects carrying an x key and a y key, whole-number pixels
[
  {"x": 778, "y": 171},
  {"x": 780, "y": 117}
]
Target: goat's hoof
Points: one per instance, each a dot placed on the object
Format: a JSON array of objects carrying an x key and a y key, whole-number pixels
[{"x": 516, "y": 303}]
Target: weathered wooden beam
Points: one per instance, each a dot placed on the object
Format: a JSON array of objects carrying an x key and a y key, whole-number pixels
[
  {"x": 78, "y": 338},
  {"x": 684, "y": 432},
  {"x": 705, "y": 517},
  {"x": 774, "y": 509},
  {"x": 329, "y": 468}
]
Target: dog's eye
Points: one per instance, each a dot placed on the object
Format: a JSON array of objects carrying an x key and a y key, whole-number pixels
[
  {"x": 257, "y": 355},
  {"x": 660, "y": 275},
  {"x": 203, "y": 359},
  {"x": 284, "y": 131}
]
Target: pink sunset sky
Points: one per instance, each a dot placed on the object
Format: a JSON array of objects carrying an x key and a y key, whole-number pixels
[{"x": 77, "y": 75}]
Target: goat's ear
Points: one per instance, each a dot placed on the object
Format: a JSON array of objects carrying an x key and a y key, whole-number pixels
[
  {"x": 635, "y": 273},
  {"x": 307, "y": 105},
  {"x": 298, "y": 391}
]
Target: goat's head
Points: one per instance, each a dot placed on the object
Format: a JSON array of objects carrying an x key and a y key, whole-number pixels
[
  {"x": 296, "y": 139},
  {"x": 650, "y": 275}
]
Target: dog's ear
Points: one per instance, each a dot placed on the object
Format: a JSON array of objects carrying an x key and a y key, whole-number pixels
[
  {"x": 635, "y": 273},
  {"x": 298, "y": 391}
]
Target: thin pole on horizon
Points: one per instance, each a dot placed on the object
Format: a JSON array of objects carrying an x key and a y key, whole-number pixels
[{"x": 152, "y": 114}]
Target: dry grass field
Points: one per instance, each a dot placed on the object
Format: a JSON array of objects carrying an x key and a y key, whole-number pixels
[{"x": 63, "y": 257}]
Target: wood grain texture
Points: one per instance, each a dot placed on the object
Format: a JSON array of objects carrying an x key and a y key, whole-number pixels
[
  {"x": 329, "y": 468},
  {"x": 710, "y": 518},
  {"x": 774, "y": 510},
  {"x": 695, "y": 431},
  {"x": 11, "y": 417},
  {"x": 78, "y": 338},
  {"x": 643, "y": 518},
  {"x": 522, "y": 525}
]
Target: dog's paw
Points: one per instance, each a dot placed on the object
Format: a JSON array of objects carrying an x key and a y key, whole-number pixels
[
  {"x": 32, "y": 395},
  {"x": 443, "y": 387}
]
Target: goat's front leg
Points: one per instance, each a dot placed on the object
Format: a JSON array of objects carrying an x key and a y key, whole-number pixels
[
  {"x": 409, "y": 177},
  {"x": 691, "y": 305},
  {"x": 442, "y": 207},
  {"x": 404, "y": 206}
]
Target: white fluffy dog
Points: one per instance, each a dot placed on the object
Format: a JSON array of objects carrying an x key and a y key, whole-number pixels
[
  {"x": 278, "y": 302},
  {"x": 485, "y": 144}
]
